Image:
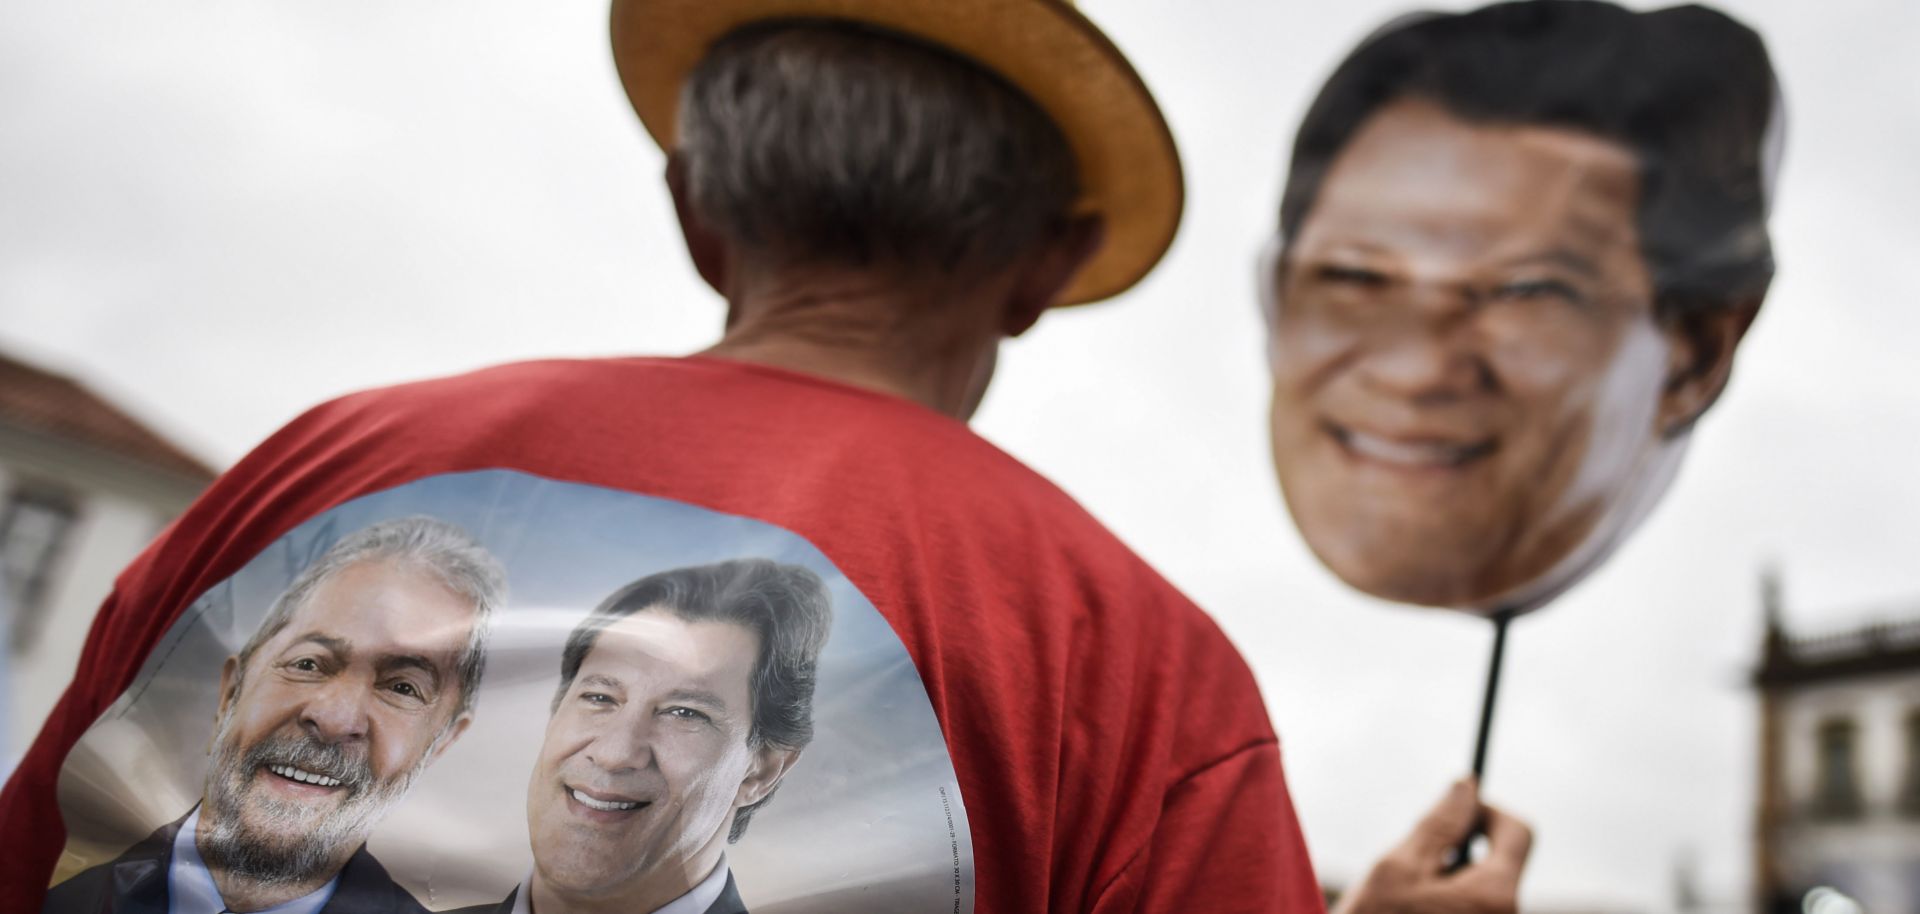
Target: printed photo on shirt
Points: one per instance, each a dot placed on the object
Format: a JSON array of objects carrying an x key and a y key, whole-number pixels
[{"x": 495, "y": 692}]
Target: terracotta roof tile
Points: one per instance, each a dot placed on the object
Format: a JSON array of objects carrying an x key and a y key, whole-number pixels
[{"x": 62, "y": 407}]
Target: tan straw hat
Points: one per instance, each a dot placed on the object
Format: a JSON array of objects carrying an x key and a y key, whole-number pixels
[{"x": 1129, "y": 169}]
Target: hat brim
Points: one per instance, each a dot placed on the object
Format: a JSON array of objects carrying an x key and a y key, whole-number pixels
[{"x": 1129, "y": 167}]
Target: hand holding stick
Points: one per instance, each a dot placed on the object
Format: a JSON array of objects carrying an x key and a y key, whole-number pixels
[{"x": 1417, "y": 875}]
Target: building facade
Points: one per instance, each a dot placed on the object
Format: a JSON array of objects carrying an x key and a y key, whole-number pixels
[
  {"x": 1839, "y": 780},
  {"x": 83, "y": 488}
]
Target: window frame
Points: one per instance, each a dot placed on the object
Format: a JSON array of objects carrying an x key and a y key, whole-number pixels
[{"x": 31, "y": 595}]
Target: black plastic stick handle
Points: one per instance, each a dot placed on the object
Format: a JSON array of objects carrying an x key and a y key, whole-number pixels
[
  {"x": 1500, "y": 621},
  {"x": 1463, "y": 854}
]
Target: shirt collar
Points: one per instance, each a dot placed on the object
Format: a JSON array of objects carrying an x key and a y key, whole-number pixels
[
  {"x": 191, "y": 889},
  {"x": 696, "y": 901},
  {"x": 702, "y": 896}
]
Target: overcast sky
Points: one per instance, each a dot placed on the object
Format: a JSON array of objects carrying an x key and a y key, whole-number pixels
[{"x": 223, "y": 212}]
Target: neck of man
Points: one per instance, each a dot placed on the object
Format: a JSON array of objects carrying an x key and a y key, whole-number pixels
[
  {"x": 243, "y": 894},
  {"x": 648, "y": 892},
  {"x": 933, "y": 342}
]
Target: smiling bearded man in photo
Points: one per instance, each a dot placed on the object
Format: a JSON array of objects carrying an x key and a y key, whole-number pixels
[{"x": 363, "y": 673}]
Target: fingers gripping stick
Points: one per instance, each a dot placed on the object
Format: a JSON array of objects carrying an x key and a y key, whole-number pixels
[{"x": 1416, "y": 876}]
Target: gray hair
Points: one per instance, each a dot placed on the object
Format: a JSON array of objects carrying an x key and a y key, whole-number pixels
[
  {"x": 817, "y": 141},
  {"x": 433, "y": 545}
]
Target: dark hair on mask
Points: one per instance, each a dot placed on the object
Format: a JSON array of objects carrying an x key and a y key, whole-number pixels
[{"x": 1690, "y": 91}]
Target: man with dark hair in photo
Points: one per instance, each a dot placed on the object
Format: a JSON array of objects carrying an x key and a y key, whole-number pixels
[
  {"x": 1518, "y": 247},
  {"x": 684, "y": 699},
  {"x": 364, "y": 671}
]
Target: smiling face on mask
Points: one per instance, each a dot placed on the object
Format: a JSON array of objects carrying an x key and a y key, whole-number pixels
[{"x": 1473, "y": 396}]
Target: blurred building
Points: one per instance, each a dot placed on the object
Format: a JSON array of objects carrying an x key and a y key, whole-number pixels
[
  {"x": 83, "y": 488},
  {"x": 1839, "y": 803}
]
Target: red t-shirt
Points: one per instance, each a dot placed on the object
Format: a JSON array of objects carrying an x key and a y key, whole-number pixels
[{"x": 1111, "y": 746}]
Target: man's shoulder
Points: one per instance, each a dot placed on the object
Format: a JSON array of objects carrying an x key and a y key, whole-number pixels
[
  {"x": 86, "y": 891},
  {"x": 134, "y": 882},
  {"x": 503, "y": 906},
  {"x": 366, "y": 888},
  {"x": 721, "y": 433},
  {"x": 752, "y": 414},
  {"x": 729, "y": 901},
  {"x": 626, "y": 393},
  {"x": 531, "y": 380}
]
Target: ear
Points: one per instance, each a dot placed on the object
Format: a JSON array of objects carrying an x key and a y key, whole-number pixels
[
  {"x": 448, "y": 738},
  {"x": 1043, "y": 277},
  {"x": 769, "y": 765},
  {"x": 704, "y": 245},
  {"x": 1270, "y": 279},
  {"x": 229, "y": 686},
  {"x": 1700, "y": 360},
  {"x": 229, "y": 691}
]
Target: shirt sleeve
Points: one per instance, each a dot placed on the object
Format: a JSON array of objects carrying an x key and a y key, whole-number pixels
[{"x": 1227, "y": 841}]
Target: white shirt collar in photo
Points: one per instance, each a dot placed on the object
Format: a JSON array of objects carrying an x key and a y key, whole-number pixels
[
  {"x": 696, "y": 901},
  {"x": 191, "y": 890}
]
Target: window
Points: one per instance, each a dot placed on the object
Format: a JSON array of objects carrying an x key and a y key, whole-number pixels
[
  {"x": 35, "y": 525},
  {"x": 1837, "y": 793},
  {"x": 1910, "y": 787}
]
